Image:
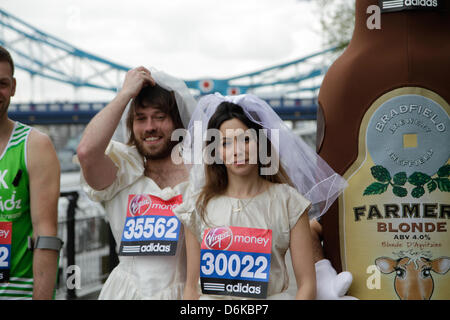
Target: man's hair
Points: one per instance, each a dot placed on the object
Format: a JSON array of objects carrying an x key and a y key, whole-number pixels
[
  {"x": 6, "y": 57},
  {"x": 156, "y": 97}
]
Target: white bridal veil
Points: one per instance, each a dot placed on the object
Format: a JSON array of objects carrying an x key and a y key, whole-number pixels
[{"x": 311, "y": 175}]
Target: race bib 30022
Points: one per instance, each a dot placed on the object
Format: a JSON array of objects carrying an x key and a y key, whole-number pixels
[
  {"x": 5, "y": 250},
  {"x": 150, "y": 228},
  {"x": 236, "y": 261}
]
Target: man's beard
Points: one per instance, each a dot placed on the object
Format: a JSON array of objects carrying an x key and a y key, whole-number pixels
[{"x": 162, "y": 153}]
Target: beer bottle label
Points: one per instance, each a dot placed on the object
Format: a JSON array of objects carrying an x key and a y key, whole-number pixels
[{"x": 394, "y": 216}]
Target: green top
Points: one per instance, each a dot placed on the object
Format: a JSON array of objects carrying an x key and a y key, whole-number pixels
[{"x": 16, "y": 260}]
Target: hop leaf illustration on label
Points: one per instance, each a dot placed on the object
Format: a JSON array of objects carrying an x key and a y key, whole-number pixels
[
  {"x": 380, "y": 173},
  {"x": 443, "y": 184},
  {"x": 400, "y": 191},
  {"x": 431, "y": 186},
  {"x": 417, "y": 192},
  {"x": 400, "y": 178},
  {"x": 417, "y": 179},
  {"x": 376, "y": 188},
  {"x": 444, "y": 171}
]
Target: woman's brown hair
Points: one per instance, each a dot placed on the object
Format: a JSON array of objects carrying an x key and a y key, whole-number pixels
[{"x": 216, "y": 178}]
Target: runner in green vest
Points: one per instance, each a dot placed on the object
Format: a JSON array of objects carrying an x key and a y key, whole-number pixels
[{"x": 29, "y": 192}]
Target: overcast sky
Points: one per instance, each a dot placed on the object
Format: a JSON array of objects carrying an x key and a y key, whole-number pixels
[{"x": 189, "y": 39}]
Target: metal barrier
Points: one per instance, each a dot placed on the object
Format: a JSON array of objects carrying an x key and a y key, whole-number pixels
[{"x": 88, "y": 255}]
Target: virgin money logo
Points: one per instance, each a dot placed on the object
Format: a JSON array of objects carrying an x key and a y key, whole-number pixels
[
  {"x": 140, "y": 204},
  {"x": 4, "y": 233},
  {"x": 219, "y": 238}
]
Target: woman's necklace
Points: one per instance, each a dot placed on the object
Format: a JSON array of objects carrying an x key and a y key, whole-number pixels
[
  {"x": 240, "y": 207},
  {"x": 246, "y": 203}
]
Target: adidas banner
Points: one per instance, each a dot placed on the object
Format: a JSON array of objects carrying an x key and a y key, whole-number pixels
[{"x": 400, "y": 5}]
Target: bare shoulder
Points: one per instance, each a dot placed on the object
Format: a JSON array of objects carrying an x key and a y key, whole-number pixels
[
  {"x": 38, "y": 136},
  {"x": 40, "y": 150}
]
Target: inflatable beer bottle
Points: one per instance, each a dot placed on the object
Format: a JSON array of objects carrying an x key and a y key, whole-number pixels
[{"x": 383, "y": 123}]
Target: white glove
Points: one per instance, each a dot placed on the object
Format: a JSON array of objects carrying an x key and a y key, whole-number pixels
[{"x": 329, "y": 284}]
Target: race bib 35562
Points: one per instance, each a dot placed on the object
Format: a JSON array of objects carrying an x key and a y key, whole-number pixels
[
  {"x": 151, "y": 227},
  {"x": 236, "y": 261}
]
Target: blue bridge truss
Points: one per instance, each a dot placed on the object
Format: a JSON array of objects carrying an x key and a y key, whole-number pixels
[
  {"x": 82, "y": 112},
  {"x": 44, "y": 55}
]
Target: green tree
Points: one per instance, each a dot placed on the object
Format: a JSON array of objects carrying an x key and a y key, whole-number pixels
[{"x": 337, "y": 20}]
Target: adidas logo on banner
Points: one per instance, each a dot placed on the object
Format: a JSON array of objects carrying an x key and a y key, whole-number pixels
[{"x": 399, "y": 5}]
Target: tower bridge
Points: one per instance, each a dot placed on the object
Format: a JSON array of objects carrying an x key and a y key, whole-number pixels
[
  {"x": 82, "y": 112},
  {"x": 290, "y": 88}
]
